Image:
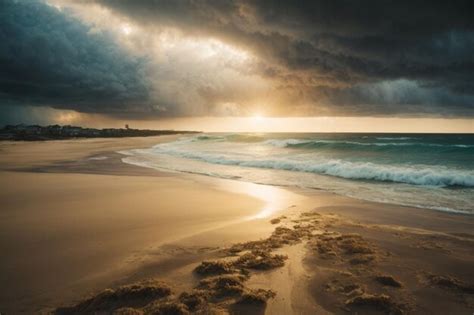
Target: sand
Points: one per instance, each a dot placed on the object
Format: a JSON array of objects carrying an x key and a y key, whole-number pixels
[{"x": 75, "y": 220}]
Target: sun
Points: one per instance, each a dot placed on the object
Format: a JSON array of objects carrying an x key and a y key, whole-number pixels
[{"x": 258, "y": 117}]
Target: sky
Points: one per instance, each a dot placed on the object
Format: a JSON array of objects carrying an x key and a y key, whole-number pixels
[{"x": 239, "y": 65}]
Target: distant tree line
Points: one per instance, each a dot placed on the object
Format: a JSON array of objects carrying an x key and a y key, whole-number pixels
[{"x": 56, "y": 132}]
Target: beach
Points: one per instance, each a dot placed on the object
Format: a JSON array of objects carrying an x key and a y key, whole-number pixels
[{"x": 77, "y": 220}]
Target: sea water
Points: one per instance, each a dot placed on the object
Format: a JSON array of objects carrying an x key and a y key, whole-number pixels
[{"x": 420, "y": 170}]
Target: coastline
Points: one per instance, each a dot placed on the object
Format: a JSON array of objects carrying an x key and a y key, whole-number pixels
[{"x": 405, "y": 241}]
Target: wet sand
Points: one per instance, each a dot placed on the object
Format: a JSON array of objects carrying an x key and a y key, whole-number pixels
[{"x": 76, "y": 220}]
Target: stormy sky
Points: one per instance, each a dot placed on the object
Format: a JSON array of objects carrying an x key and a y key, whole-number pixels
[{"x": 153, "y": 59}]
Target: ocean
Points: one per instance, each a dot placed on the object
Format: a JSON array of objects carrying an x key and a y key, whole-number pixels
[{"x": 419, "y": 170}]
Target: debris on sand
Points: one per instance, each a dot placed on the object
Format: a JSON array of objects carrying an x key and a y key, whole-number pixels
[
  {"x": 213, "y": 295},
  {"x": 275, "y": 221},
  {"x": 167, "y": 308},
  {"x": 214, "y": 267},
  {"x": 127, "y": 311},
  {"x": 281, "y": 236},
  {"x": 256, "y": 297},
  {"x": 362, "y": 260},
  {"x": 354, "y": 244},
  {"x": 346, "y": 287},
  {"x": 134, "y": 295},
  {"x": 223, "y": 286},
  {"x": 222, "y": 283},
  {"x": 388, "y": 281},
  {"x": 310, "y": 214},
  {"x": 260, "y": 260},
  {"x": 382, "y": 302},
  {"x": 451, "y": 283},
  {"x": 333, "y": 245},
  {"x": 194, "y": 300},
  {"x": 256, "y": 259}
]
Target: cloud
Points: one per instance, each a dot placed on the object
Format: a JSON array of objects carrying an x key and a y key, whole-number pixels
[
  {"x": 49, "y": 58},
  {"x": 401, "y": 97},
  {"x": 236, "y": 57},
  {"x": 318, "y": 46}
]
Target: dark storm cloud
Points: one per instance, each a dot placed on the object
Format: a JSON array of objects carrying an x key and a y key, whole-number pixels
[
  {"x": 331, "y": 57},
  {"x": 340, "y": 50},
  {"x": 48, "y": 58}
]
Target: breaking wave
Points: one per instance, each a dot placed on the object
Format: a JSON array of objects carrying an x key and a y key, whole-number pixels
[
  {"x": 283, "y": 143},
  {"x": 426, "y": 175}
]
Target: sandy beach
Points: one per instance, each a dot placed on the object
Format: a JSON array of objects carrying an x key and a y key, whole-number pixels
[{"x": 75, "y": 221}]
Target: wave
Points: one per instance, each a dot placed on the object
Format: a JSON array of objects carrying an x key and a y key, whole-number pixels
[
  {"x": 395, "y": 138},
  {"x": 207, "y": 138},
  {"x": 230, "y": 137},
  {"x": 284, "y": 143},
  {"x": 414, "y": 174},
  {"x": 314, "y": 143}
]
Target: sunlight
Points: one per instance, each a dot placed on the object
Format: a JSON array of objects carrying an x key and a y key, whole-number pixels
[
  {"x": 67, "y": 117},
  {"x": 212, "y": 49},
  {"x": 258, "y": 117},
  {"x": 170, "y": 41},
  {"x": 126, "y": 29},
  {"x": 274, "y": 199}
]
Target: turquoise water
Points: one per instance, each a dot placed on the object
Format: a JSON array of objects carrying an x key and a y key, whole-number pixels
[{"x": 429, "y": 171}]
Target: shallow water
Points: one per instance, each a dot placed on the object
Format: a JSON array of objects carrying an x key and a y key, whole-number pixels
[{"x": 429, "y": 171}]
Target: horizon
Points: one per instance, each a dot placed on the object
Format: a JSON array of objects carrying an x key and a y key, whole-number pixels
[
  {"x": 253, "y": 132},
  {"x": 279, "y": 124}
]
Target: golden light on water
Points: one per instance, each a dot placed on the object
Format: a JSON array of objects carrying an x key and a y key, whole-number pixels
[{"x": 274, "y": 198}]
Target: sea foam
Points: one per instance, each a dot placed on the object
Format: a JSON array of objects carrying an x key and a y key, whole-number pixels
[{"x": 426, "y": 175}]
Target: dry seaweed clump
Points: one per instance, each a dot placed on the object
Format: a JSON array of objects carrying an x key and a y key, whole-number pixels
[
  {"x": 256, "y": 297},
  {"x": 167, "y": 308},
  {"x": 362, "y": 260},
  {"x": 134, "y": 295},
  {"x": 382, "y": 302},
  {"x": 223, "y": 286},
  {"x": 281, "y": 236},
  {"x": 332, "y": 245},
  {"x": 127, "y": 311},
  {"x": 260, "y": 260},
  {"x": 354, "y": 244},
  {"x": 177, "y": 307},
  {"x": 194, "y": 300},
  {"x": 388, "y": 281},
  {"x": 275, "y": 221},
  {"x": 345, "y": 286},
  {"x": 451, "y": 283},
  {"x": 310, "y": 214},
  {"x": 224, "y": 290},
  {"x": 257, "y": 254},
  {"x": 215, "y": 267}
]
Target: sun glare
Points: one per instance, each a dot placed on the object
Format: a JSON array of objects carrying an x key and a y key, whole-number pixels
[
  {"x": 257, "y": 117},
  {"x": 126, "y": 29}
]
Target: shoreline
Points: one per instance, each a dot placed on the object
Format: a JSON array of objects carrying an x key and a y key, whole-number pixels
[{"x": 398, "y": 229}]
